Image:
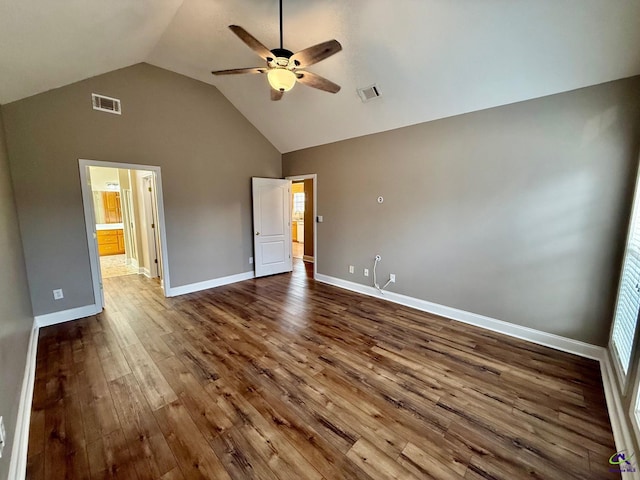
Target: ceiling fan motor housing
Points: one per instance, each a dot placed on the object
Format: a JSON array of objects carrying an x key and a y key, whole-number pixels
[{"x": 282, "y": 56}]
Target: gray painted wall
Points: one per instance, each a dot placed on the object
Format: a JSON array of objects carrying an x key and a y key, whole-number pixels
[
  {"x": 16, "y": 319},
  {"x": 207, "y": 151},
  {"x": 517, "y": 213}
]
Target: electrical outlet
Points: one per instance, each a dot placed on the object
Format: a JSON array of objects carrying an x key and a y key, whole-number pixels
[
  {"x": 351, "y": 269},
  {"x": 57, "y": 294},
  {"x": 366, "y": 272},
  {"x": 3, "y": 435},
  {"x": 250, "y": 260},
  {"x": 392, "y": 277}
]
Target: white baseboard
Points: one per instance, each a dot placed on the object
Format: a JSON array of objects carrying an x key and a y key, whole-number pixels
[
  {"x": 525, "y": 333},
  {"x": 308, "y": 258},
  {"x": 216, "y": 282},
  {"x": 67, "y": 315},
  {"x": 144, "y": 271},
  {"x": 18, "y": 464}
]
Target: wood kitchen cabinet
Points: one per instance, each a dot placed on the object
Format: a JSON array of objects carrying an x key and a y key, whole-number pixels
[
  {"x": 110, "y": 242},
  {"x": 112, "y": 208}
]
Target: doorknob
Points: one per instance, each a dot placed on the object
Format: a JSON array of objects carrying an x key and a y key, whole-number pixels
[{"x": 257, "y": 233}]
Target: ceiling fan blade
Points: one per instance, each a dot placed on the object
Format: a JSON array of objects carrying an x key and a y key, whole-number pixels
[
  {"x": 235, "y": 71},
  {"x": 314, "y": 54},
  {"x": 276, "y": 94},
  {"x": 252, "y": 42},
  {"x": 316, "y": 81}
]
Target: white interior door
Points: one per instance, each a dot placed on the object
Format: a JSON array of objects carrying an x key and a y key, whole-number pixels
[
  {"x": 150, "y": 224},
  {"x": 271, "y": 225},
  {"x": 129, "y": 228}
]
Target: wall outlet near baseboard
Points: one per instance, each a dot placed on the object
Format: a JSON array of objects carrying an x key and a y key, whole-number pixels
[
  {"x": 58, "y": 294},
  {"x": 392, "y": 277},
  {"x": 250, "y": 260},
  {"x": 366, "y": 272},
  {"x": 351, "y": 269}
]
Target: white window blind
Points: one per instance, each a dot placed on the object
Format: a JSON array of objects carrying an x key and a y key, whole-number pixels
[
  {"x": 298, "y": 202},
  {"x": 628, "y": 302}
]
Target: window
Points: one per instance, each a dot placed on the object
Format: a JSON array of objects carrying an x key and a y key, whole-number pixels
[
  {"x": 628, "y": 302},
  {"x": 298, "y": 203}
]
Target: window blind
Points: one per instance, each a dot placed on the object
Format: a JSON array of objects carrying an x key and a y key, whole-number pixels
[{"x": 628, "y": 302}]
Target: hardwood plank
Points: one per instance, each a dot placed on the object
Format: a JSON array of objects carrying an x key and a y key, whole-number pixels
[
  {"x": 204, "y": 411},
  {"x": 153, "y": 384},
  {"x": 151, "y": 454},
  {"x": 175, "y": 474},
  {"x": 191, "y": 450},
  {"x": 35, "y": 467},
  {"x": 109, "y": 457},
  {"x": 424, "y": 465},
  {"x": 377, "y": 464},
  {"x": 98, "y": 413}
]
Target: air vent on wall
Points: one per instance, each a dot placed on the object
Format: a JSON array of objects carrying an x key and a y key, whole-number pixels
[
  {"x": 106, "y": 104},
  {"x": 369, "y": 93}
]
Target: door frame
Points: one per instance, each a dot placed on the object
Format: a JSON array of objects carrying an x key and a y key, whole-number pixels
[
  {"x": 314, "y": 177},
  {"x": 90, "y": 222}
]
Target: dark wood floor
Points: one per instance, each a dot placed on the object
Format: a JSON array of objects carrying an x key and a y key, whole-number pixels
[{"x": 285, "y": 378}]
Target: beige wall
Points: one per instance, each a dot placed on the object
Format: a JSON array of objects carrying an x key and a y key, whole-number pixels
[
  {"x": 517, "y": 212},
  {"x": 16, "y": 319},
  {"x": 101, "y": 176},
  {"x": 123, "y": 178},
  {"x": 207, "y": 151}
]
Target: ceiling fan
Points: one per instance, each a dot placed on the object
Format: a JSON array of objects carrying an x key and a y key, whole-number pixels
[{"x": 283, "y": 65}]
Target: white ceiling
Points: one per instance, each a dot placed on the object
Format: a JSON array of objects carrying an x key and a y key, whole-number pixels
[{"x": 430, "y": 58}]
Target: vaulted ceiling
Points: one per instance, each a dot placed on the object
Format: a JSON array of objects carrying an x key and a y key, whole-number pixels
[{"x": 430, "y": 58}]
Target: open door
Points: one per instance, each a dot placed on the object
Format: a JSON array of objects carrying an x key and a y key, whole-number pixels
[
  {"x": 151, "y": 225},
  {"x": 271, "y": 225}
]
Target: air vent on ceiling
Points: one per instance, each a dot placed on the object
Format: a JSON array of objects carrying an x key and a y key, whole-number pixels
[
  {"x": 369, "y": 93},
  {"x": 106, "y": 104}
]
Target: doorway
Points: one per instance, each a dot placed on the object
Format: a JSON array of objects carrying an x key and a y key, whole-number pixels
[
  {"x": 124, "y": 218},
  {"x": 297, "y": 219},
  {"x": 303, "y": 218}
]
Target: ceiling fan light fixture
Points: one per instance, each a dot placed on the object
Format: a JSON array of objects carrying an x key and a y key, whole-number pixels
[{"x": 281, "y": 79}]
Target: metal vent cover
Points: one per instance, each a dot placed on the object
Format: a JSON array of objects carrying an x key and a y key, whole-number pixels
[
  {"x": 106, "y": 104},
  {"x": 369, "y": 93}
]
